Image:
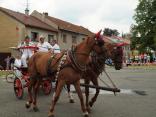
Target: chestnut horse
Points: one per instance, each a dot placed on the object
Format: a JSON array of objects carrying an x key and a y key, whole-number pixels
[
  {"x": 66, "y": 67},
  {"x": 96, "y": 66}
]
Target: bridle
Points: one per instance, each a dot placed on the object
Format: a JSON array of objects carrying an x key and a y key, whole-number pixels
[{"x": 98, "y": 62}]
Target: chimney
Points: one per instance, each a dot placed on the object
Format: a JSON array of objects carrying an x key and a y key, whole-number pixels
[
  {"x": 44, "y": 15},
  {"x": 26, "y": 11}
]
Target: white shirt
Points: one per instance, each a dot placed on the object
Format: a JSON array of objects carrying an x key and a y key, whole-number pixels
[
  {"x": 44, "y": 47},
  {"x": 26, "y": 50},
  {"x": 17, "y": 63},
  {"x": 56, "y": 48}
]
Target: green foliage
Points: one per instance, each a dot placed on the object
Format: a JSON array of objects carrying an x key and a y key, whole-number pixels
[
  {"x": 144, "y": 31},
  {"x": 110, "y": 32}
]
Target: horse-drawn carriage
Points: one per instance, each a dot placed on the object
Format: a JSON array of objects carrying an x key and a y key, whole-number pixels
[
  {"x": 21, "y": 79},
  {"x": 24, "y": 81},
  {"x": 67, "y": 68}
]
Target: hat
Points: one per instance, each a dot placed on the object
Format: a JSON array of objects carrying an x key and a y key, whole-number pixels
[
  {"x": 27, "y": 37},
  {"x": 41, "y": 36}
]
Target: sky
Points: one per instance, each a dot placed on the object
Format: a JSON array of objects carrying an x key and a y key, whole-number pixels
[{"x": 92, "y": 14}]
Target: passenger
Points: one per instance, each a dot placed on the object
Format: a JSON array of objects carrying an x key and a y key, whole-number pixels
[
  {"x": 27, "y": 50},
  {"x": 55, "y": 47},
  {"x": 43, "y": 46}
]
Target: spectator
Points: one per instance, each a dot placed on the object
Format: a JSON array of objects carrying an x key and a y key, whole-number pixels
[
  {"x": 7, "y": 60},
  {"x": 1, "y": 67},
  {"x": 142, "y": 58},
  {"x": 148, "y": 58},
  {"x": 145, "y": 58}
]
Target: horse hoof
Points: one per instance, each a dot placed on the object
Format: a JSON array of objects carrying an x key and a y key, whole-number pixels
[
  {"x": 89, "y": 110},
  {"x": 51, "y": 114},
  {"x": 71, "y": 101},
  {"x": 90, "y": 104},
  {"x": 27, "y": 105},
  {"x": 86, "y": 114},
  {"x": 35, "y": 109}
]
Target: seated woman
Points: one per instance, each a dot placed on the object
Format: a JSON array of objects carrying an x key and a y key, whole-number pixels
[{"x": 17, "y": 66}]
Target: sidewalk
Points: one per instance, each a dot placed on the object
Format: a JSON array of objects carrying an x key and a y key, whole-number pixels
[{"x": 141, "y": 66}]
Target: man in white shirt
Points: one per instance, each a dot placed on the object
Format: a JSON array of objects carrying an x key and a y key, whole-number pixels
[
  {"x": 55, "y": 47},
  {"x": 27, "y": 49},
  {"x": 43, "y": 46}
]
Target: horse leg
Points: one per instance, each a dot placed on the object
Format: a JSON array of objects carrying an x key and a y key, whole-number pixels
[
  {"x": 87, "y": 95},
  {"x": 35, "y": 90},
  {"x": 55, "y": 98},
  {"x": 30, "y": 97},
  {"x": 79, "y": 92},
  {"x": 95, "y": 82},
  {"x": 71, "y": 99}
]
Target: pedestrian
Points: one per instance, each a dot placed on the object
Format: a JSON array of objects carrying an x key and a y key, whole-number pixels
[
  {"x": 148, "y": 58},
  {"x": 145, "y": 58},
  {"x": 142, "y": 58},
  {"x": 7, "y": 60}
]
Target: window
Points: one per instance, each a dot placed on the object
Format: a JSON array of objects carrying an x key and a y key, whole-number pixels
[
  {"x": 83, "y": 39},
  {"x": 34, "y": 36},
  {"x": 50, "y": 38},
  {"x": 74, "y": 40},
  {"x": 64, "y": 38}
]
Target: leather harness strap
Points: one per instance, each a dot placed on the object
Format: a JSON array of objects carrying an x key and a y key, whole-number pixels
[{"x": 49, "y": 70}]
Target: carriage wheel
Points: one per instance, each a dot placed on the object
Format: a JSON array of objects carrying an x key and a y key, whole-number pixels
[
  {"x": 18, "y": 88},
  {"x": 10, "y": 77},
  {"x": 46, "y": 87}
]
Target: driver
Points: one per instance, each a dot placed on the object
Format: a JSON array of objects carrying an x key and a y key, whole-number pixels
[{"x": 27, "y": 49}]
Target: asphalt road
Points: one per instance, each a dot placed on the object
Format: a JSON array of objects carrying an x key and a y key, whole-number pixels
[{"x": 137, "y": 98}]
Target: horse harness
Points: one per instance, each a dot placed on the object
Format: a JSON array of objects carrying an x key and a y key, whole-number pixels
[
  {"x": 70, "y": 56},
  {"x": 98, "y": 62}
]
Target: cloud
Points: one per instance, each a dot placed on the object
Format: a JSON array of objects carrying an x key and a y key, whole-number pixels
[{"x": 92, "y": 14}]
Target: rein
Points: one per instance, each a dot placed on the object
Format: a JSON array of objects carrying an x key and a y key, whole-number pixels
[
  {"x": 98, "y": 62},
  {"x": 99, "y": 66},
  {"x": 81, "y": 53}
]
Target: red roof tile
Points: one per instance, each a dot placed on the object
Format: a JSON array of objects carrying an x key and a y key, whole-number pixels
[
  {"x": 64, "y": 25},
  {"x": 116, "y": 40},
  {"x": 28, "y": 20}
]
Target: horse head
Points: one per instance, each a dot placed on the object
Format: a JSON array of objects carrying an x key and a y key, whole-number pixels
[
  {"x": 97, "y": 42},
  {"x": 115, "y": 53},
  {"x": 118, "y": 57}
]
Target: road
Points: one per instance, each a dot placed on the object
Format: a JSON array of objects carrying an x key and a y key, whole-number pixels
[{"x": 137, "y": 98}]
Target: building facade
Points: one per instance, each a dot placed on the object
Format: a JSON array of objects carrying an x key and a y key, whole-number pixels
[
  {"x": 68, "y": 33},
  {"x": 15, "y": 26}
]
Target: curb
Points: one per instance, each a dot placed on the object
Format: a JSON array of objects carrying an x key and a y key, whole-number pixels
[{"x": 5, "y": 70}]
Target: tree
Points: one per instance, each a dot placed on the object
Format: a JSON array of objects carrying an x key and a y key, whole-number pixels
[
  {"x": 144, "y": 31},
  {"x": 110, "y": 32}
]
